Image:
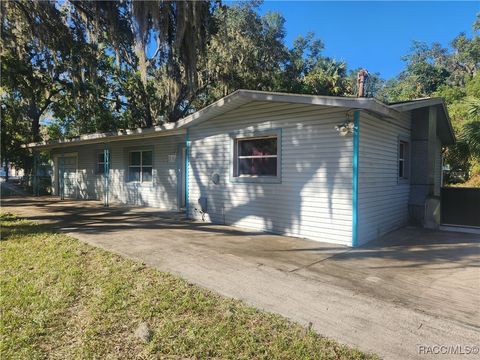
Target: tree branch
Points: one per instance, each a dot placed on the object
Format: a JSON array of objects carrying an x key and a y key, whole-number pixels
[
  {"x": 49, "y": 100},
  {"x": 113, "y": 100}
]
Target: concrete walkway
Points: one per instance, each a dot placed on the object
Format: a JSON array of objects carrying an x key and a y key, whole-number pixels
[{"x": 412, "y": 288}]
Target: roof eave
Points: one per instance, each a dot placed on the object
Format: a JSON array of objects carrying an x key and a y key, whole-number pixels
[
  {"x": 434, "y": 101},
  {"x": 345, "y": 102},
  {"x": 103, "y": 138},
  {"x": 227, "y": 103},
  {"x": 449, "y": 124},
  {"x": 416, "y": 104}
]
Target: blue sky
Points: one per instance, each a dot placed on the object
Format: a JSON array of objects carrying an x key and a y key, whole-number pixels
[{"x": 375, "y": 35}]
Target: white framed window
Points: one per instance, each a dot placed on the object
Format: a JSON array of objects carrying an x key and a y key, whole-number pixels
[
  {"x": 403, "y": 160},
  {"x": 140, "y": 164},
  {"x": 256, "y": 157}
]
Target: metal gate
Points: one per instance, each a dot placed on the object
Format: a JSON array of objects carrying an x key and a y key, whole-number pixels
[{"x": 460, "y": 206}]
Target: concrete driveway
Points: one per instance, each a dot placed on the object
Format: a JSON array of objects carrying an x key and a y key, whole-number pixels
[{"x": 412, "y": 288}]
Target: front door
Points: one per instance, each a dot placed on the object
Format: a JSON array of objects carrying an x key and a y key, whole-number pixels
[
  {"x": 69, "y": 176},
  {"x": 181, "y": 178}
]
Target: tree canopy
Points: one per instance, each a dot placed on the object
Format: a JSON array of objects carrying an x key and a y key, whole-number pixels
[
  {"x": 71, "y": 67},
  {"x": 453, "y": 74}
]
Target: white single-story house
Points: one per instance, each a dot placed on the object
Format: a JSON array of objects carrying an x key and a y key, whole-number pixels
[{"x": 334, "y": 169}]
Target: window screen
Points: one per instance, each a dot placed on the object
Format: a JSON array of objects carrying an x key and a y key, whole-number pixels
[
  {"x": 140, "y": 166},
  {"x": 256, "y": 156}
]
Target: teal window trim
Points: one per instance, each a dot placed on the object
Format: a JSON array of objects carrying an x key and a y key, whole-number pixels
[
  {"x": 242, "y": 135},
  {"x": 356, "y": 134}
]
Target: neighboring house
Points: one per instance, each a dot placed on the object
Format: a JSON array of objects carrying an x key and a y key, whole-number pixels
[
  {"x": 335, "y": 169},
  {"x": 13, "y": 172}
]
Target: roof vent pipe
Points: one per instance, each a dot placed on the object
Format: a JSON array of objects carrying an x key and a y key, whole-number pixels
[{"x": 362, "y": 77}]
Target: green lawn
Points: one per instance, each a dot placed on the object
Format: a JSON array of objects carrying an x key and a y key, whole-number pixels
[{"x": 61, "y": 298}]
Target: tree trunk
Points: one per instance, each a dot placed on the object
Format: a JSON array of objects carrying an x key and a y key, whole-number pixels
[
  {"x": 34, "y": 113},
  {"x": 148, "y": 121},
  {"x": 36, "y": 128}
]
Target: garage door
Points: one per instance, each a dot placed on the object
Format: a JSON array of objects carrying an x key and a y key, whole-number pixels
[{"x": 69, "y": 176}]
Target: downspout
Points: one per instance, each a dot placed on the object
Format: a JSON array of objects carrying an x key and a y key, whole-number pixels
[
  {"x": 356, "y": 131},
  {"x": 106, "y": 174},
  {"x": 187, "y": 161}
]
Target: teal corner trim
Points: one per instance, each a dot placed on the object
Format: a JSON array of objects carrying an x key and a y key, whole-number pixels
[
  {"x": 356, "y": 133},
  {"x": 280, "y": 150},
  {"x": 106, "y": 174},
  {"x": 180, "y": 179},
  {"x": 61, "y": 176},
  {"x": 35, "y": 173},
  {"x": 187, "y": 163}
]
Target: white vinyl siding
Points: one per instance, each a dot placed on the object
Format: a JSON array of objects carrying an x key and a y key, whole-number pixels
[
  {"x": 313, "y": 199},
  {"x": 382, "y": 198},
  {"x": 161, "y": 192}
]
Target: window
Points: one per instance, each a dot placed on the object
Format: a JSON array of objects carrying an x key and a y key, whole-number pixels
[
  {"x": 101, "y": 163},
  {"x": 69, "y": 161},
  {"x": 140, "y": 166},
  {"x": 256, "y": 157},
  {"x": 403, "y": 160}
]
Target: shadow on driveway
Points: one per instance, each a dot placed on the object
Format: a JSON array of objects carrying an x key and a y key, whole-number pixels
[{"x": 429, "y": 271}]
